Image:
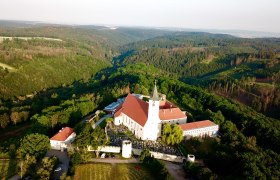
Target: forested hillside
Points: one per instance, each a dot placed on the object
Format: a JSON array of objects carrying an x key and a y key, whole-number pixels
[
  {"x": 52, "y": 76},
  {"x": 248, "y": 147},
  {"x": 36, "y": 64},
  {"x": 246, "y": 70},
  {"x": 32, "y": 61}
]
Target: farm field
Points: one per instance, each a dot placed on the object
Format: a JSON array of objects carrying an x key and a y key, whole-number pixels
[
  {"x": 7, "y": 168},
  {"x": 102, "y": 171}
]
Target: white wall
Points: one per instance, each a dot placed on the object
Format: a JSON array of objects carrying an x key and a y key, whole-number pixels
[
  {"x": 55, "y": 144},
  {"x": 151, "y": 132},
  {"x": 152, "y": 127},
  {"x": 157, "y": 155},
  {"x": 200, "y": 132},
  {"x": 108, "y": 149},
  {"x": 133, "y": 126},
  {"x": 118, "y": 120},
  {"x": 167, "y": 157},
  {"x": 174, "y": 121},
  {"x": 70, "y": 139}
]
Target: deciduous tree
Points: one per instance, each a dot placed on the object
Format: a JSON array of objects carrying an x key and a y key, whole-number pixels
[
  {"x": 4, "y": 120},
  {"x": 172, "y": 134},
  {"x": 34, "y": 144}
]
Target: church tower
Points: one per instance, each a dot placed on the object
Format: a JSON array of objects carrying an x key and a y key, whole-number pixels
[
  {"x": 152, "y": 128},
  {"x": 154, "y": 103}
]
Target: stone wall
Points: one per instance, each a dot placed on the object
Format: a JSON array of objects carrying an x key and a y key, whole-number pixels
[
  {"x": 108, "y": 149},
  {"x": 157, "y": 155},
  {"x": 162, "y": 156},
  {"x": 168, "y": 157}
]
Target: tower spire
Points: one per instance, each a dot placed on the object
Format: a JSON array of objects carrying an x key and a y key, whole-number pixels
[{"x": 155, "y": 93}]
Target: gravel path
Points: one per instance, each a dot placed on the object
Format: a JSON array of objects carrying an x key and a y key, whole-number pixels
[
  {"x": 101, "y": 120},
  {"x": 175, "y": 170}
]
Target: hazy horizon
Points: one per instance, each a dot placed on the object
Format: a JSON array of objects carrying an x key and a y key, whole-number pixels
[{"x": 252, "y": 15}]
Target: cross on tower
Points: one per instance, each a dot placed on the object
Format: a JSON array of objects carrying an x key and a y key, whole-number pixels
[{"x": 155, "y": 93}]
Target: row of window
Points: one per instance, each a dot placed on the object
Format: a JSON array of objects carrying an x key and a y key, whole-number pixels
[
  {"x": 201, "y": 133},
  {"x": 202, "y": 129},
  {"x": 175, "y": 121},
  {"x": 129, "y": 123}
]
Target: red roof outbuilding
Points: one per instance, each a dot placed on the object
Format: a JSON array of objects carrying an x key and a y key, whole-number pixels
[
  {"x": 196, "y": 125},
  {"x": 63, "y": 134}
]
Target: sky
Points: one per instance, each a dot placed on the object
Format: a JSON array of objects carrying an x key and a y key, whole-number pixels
[{"x": 256, "y": 15}]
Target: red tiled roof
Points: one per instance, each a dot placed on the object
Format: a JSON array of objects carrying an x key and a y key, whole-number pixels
[
  {"x": 63, "y": 134},
  {"x": 118, "y": 113},
  {"x": 166, "y": 105},
  {"x": 118, "y": 108},
  {"x": 196, "y": 125},
  {"x": 134, "y": 108},
  {"x": 172, "y": 113}
]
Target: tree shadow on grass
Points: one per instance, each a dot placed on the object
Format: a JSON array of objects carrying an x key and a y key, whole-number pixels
[
  {"x": 12, "y": 165},
  {"x": 12, "y": 168}
]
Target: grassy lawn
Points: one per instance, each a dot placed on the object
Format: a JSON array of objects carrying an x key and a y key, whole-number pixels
[
  {"x": 7, "y": 168},
  {"x": 104, "y": 171}
]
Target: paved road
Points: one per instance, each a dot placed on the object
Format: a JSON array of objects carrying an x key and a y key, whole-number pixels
[
  {"x": 89, "y": 118},
  {"x": 63, "y": 158},
  {"x": 175, "y": 170},
  {"x": 115, "y": 161},
  {"x": 101, "y": 120}
]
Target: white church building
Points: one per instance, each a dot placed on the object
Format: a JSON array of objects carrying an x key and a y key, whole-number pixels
[{"x": 145, "y": 118}]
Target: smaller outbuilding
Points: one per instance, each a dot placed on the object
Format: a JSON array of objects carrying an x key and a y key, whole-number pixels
[
  {"x": 126, "y": 149},
  {"x": 63, "y": 138},
  {"x": 191, "y": 158},
  {"x": 201, "y": 129}
]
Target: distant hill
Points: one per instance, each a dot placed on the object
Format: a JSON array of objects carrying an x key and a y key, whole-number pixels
[
  {"x": 39, "y": 56},
  {"x": 245, "y": 70}
]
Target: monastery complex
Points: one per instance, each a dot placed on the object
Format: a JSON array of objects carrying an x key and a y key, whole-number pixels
[{"x": 145, "y": 117}]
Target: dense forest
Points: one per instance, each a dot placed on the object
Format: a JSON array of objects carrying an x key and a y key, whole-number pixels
[
  {"x": 245, "y": 70},
  {"x": 249, "y": 145},
  {"x": 32, "y": 61},
  {"x": 47, "y": 84}
]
